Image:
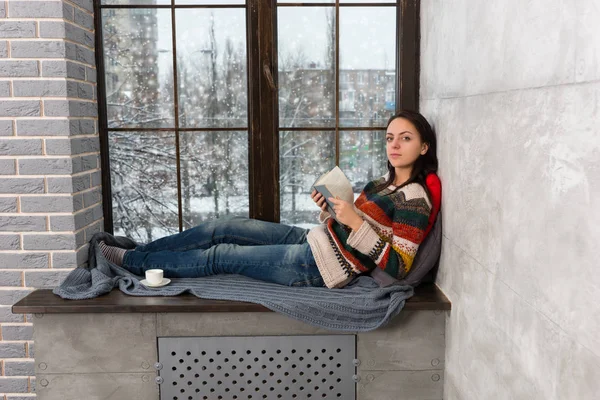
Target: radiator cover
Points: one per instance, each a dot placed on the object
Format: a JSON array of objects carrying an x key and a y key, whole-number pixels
[{"x": 257, "y": 367}]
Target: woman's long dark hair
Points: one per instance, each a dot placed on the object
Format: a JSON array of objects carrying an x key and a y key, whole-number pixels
[{"x": 426, "y": 163}]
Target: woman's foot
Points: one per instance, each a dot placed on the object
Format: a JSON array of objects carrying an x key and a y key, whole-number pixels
[{"x": 112, "y": 253}]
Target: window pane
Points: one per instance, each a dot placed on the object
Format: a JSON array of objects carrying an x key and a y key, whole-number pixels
[
  {"x": 211, "y": 63},
  {"x": 136, "y": 2},
  {"x": 306, "y": 47},
  {"x": 367, "y": 65},
  {"x": 138, "y": 62},
  {"x": 214, "y": 175},
  {"x": 305, "y": 1},
  {"x": 143, "y": 172},
  {"x": 333, "y": 1},
  {"x": 362, "y": 156},
  {"x": 213, "y": 2},
  {"x": 303, "y": 157},
  {"x": 367, "y": 1}
]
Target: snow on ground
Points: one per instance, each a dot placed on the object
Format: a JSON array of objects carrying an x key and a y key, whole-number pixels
[{"x": 306, "y": 212}]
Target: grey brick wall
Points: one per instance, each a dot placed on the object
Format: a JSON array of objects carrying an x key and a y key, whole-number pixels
[{"x": 50, "y": 194}]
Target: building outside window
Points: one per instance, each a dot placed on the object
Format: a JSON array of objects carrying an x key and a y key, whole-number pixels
[{"x": 347, "y": 101}]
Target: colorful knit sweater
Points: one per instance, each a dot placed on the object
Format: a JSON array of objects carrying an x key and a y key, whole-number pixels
[{"x": 394, "y": 226}]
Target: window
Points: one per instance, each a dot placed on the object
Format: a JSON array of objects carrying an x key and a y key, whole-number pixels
[
  {"x": 205, "y": 113},
  {"x": 390, "y": 95},
  {"x": 361, "y": 77},
  {"x": 347, "y": 100},
  {"x": 390, "y": 99}
]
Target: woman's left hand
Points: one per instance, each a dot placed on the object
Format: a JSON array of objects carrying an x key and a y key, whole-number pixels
[{"x": 345, "y": 213}]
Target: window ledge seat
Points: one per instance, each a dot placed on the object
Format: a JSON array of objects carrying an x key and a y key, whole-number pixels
[
  {"x": 109, "y": 347},
  {"x": 426, "y": 297}
]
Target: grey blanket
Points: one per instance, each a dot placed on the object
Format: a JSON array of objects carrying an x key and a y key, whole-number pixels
[{"x": 360, "y": 306}]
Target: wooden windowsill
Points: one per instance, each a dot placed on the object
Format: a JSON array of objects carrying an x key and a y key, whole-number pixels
[{"x": 427, "y": 297}]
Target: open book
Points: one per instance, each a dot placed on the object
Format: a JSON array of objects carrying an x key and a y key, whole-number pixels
[{"x": 334, "y": 183}]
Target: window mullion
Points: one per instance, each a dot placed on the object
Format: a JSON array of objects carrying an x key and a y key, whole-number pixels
[
  {"x": 407, "y": 57},
  {"x": 263, "y": 168},
  {"x": 337, "y": 82},
  {"x": 176, "y": 113},
  {"x": 103, "y": 123}
]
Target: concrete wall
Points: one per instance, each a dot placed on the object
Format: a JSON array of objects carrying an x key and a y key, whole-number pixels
[
  {"x": 49, "y": 168},
  {"x": 513, "y": 89}
]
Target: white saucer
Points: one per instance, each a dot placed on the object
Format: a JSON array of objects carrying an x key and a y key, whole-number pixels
[{"x": 164, "y": 282}]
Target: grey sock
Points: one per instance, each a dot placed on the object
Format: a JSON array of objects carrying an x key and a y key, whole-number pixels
[{"x": 112, "y": 253}]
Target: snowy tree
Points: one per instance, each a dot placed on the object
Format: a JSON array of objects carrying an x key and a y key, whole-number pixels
[
  {"x": 144, "y": 164},
  {"x": 306, "y": 99}
]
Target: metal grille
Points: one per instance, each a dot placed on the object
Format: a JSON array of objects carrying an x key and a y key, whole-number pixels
[{"x": 257, "y": 367}]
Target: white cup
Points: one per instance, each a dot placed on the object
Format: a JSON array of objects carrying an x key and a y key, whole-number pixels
[{"x": 154, "y": 276}]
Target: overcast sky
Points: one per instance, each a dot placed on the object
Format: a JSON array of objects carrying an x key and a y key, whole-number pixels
[{"x": 367, "y": 35}]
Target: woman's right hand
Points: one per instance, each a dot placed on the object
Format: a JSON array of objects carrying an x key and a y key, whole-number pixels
[{"x": 319, "y": 200}]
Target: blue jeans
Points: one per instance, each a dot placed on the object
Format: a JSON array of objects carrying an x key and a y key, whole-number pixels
[{"x": 261, "y": 250}]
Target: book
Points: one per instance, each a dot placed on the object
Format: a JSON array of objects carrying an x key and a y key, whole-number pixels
[{"x": 334, "y": 183}]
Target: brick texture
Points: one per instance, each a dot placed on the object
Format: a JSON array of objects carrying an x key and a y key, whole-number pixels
[{"x": 50, "y": 196}]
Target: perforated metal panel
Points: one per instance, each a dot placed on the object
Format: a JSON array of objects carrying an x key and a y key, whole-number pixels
[{"x": 257, "y": 367}]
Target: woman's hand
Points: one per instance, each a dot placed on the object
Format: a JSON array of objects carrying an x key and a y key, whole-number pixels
[
  {"x": 345, "y": 213},
  {"x": 319, "y": 199}
]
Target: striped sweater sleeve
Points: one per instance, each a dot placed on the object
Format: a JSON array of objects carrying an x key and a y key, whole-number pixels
[{"x": 395, "y": 253}]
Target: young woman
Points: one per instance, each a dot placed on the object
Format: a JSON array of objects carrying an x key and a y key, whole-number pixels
[{"x": 383, "y": 229}]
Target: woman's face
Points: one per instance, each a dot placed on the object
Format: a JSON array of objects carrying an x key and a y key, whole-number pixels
[{"x": 403, "y": 143}]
